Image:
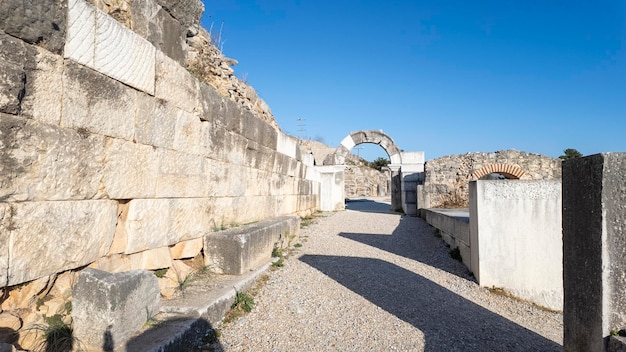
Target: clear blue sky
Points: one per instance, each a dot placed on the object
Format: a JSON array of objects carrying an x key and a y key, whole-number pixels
[{"x": 443, "y": 77}]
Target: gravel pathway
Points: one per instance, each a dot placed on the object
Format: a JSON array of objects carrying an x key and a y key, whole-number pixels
[{"x": 366, "y": 279}]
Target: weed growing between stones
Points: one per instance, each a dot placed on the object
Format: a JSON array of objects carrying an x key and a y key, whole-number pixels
[
  {"x": 243, "y": 304},
  {"x": 57, "y": 335},
  {"x": 160, "y": 273},
  {"x": 298, "y": 245}
]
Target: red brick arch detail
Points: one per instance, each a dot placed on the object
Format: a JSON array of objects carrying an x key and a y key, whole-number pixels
[{"x": 509, "y": 171}]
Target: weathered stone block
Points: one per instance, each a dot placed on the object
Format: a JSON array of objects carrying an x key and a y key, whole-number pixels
[
  {"x": 594, "y": 218},
  {"x": 109, "y": 308},
  {"x": 43, "y": 91},
  {"x": 176, "y": 85},
  {"x": 97, "y": 40},
  {"x": 186, "y": 249},
  {"x": 239, "y": 250},
  {"x": 230, "y": 116},
  {"x": 187, "y": 12},
  {"x": 180, "y": 175},
  {"x": 129, "y": 170},
  {"x": 94, "y": 102},
  {"x": 36, "y": 22},
  {"x": 6, "y": 226},
  {"x": 151, "y": 259},
  {"x": 155, "y": 123},
  {"x": 154, "y": 223},
  {"x": 12, "y": 83},
  {"x": 188, "y": 132},
  {"x": 44, "y": 162},
  {"x": 167, "y": 35},
  {"x": 211, "y": 103},
  {"x": 50, "y": 237},
  {"x": 114, "y": 263}
]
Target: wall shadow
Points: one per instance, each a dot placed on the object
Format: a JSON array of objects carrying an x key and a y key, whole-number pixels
[
  {"x": 449, "y": 322},
  {"x": 413, "y": 238},
  {"x": 368, "y": 206},
  {"x": 197, "y": 332}
]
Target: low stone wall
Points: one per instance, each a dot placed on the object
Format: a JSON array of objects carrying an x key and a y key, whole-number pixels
[
  {"x": 447, "y": 178},
  {"x": 113, "y": 155},
  {"x": 453, "y": 226},
  {"x": 515, "y": 236}
]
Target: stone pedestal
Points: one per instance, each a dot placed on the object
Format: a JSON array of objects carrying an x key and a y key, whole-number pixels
[
  {"x": 594, "y": 250},
  {"x": 332, "y": 187}
]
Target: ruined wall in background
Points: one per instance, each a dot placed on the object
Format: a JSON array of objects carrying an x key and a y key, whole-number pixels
[
  {"x": 113, "y": 155},
  {"x": 447, "y": 178},
  {"x": 360, "y": 180}
]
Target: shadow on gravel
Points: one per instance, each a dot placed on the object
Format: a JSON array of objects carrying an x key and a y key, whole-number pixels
[
  {"x": 177, "y": 334},
  {"x": 367, "y": 205},
  {"x": 413, "y": 238},
  {"x": 449, "y": 322}
]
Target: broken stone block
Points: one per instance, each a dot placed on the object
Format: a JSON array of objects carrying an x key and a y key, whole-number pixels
[{"x": 108, "y": 308}]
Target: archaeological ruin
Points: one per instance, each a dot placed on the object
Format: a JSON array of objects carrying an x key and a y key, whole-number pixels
[{"x": 132, "y": 157}]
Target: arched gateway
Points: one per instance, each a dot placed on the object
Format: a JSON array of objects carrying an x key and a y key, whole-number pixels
[
  {"x": 360, "y": 137},
  {"x": 406, "y": 171}
]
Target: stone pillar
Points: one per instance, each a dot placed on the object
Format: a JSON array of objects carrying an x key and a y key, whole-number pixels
[
  {"x": 594, "y": 250},
  {"x": 395, "y": 186},
  {"x": 332, "y": 187},
  {"x": 411, "y": 174}
]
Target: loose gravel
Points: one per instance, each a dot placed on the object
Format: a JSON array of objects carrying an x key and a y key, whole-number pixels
[{"x": 367, "y": 279}]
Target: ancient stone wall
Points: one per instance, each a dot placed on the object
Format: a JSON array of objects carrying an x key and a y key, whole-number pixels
[
  {"x": 360, "y": 180},
  {"x": 447, "y": 178},
  {"x": 114, "y": 156}
]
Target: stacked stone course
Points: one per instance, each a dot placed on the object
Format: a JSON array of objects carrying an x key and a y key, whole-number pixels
[{"x": 114, "y": 156}]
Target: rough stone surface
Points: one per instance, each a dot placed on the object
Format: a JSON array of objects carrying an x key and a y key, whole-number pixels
[
  {"x": 447, "y": 178},
  {"x": 109, "y": 308},
  {"x": 43, "y": 162},
  {"x": 129, "y": 170},
  {"x": 77, "y": 233},
  {"x": 186, "y": 249},
  {"x": 594, "y": 214},
  {"x": 239, "y": 250},
  {"x": 95, "y": 103},
  {"x": 35, "y": 22}
]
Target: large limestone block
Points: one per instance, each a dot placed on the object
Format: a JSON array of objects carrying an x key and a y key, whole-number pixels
[
  {"x": 12, "y": 78},
  {"x": 151, "y": 259},
  {"x": 113, "y": 263},
  {"x": 37, "y": 22},
  {"x": 168, "y": 36},
  {"x": 245, "y": 248},
  {"x": 187, "y": 12},
  {"x": 155, "y": 123},
  {"x": 188, "y": 132},
  {"x": 94, "y": 102},
  {"x": 50, "y": 237},
  {"x": 44, "y": 162},
  {"x": 6, "y": 225},
  {"x": 176, "y": 85},
  {"x": 180, "y": 175},
  {"x": 97, "y": 40},
  {"x": 154, "y": 223},
  {"x": 214, "y": 141},
  {"x": 130, "y": 170},
  {"x": 231, "y": 116},
  {"x": 43, "y": 92},
  {"x": 108, "y": 308},
  {"x": 186, "y": 249}
]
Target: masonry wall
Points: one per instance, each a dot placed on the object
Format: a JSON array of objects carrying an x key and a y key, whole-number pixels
[
  {"x": 447, "y": 178},
  {"x": 516, "y": 241},
  {"x": 112, "y": 153}
]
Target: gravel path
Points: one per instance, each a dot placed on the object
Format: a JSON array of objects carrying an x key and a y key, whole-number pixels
[{"x": 366, "y": 279}]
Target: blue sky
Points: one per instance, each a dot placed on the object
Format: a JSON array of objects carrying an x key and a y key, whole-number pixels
[{"x": 443, "y": 77}]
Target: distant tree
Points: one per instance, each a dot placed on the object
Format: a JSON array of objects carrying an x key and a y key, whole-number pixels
[
  {"x": 570, "y": 153},
  {"x": 379, "y": 163}
]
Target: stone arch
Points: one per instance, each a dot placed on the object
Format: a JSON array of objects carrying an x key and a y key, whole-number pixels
[
  {"x": 360, "y": 137},
  {"x": 509, "y": 171}
]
